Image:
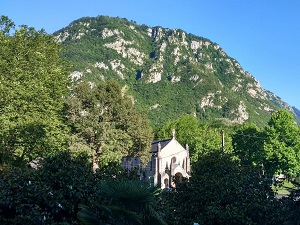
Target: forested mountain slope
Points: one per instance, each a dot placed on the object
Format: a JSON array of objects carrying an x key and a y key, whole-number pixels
[{"x": 168, "y": 72}]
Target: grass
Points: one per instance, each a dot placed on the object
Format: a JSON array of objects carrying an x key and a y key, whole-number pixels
[{"x": 285, "y": 187}]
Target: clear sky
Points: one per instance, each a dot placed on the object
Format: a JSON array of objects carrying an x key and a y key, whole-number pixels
[{"x": 262, "y": 35}]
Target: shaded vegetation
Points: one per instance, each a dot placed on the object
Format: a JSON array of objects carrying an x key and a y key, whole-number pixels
[{"x": 221, "y": 191}]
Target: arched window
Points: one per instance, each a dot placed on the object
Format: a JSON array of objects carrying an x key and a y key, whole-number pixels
[
  {"x": 166, "y": 182},
  {"x": 173, "y": 160},
  {"x": 172, "y": 166}
]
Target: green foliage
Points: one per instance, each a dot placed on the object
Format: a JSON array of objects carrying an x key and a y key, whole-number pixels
[
  {"x": 221, "y": 191},
  {"x": 228, "y": 106},
  {"x": 276, "y": 147},
  {"x": 292, "y": 207},
  {"x": 201, "y": 137},
  {"x": 248, "y": 144},
  {"x": 186, "y": 128},
  {"x": 6, "y": 25},
  {"x": 131, "y": 202},
  {"x": 54, "y": 192},
  {"x": 49, "y": 195},
  {"x": 33, "y": 84},
  {"x": 200, "y": 71},
  {"x": 106, "y": 122},
  {"x": 282, "y": 144}
]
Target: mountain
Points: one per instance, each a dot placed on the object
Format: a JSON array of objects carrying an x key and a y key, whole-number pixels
[
  {"x": 168, "y": 72},
  {"x": 296, "y": 112}
]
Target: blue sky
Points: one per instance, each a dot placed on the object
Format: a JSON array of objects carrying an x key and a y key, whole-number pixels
[{"x": 262, "y": 35}]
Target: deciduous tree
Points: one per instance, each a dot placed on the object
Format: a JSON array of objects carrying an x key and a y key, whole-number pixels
[
  {"x": 107, "y": 123},
  {"x": 282, "y": 144},
  {"x": 201, "y": 137},
  {"x": 33, "y": 86},
  {"x": 221, "y": 191},
  {"x": 248, "y": 144}
]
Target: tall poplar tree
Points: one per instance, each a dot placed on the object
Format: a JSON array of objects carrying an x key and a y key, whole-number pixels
[{"x": 33, "y": 86}]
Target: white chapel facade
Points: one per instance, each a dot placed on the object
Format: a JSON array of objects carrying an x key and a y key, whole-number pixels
[{"x": 169, "y": 160}]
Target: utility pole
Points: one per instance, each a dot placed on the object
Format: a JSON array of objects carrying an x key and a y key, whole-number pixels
[{"x": 223, "y": 141}]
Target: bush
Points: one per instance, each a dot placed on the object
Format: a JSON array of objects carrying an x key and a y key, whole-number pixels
[
  {"x": 50, "y": 194},
  {"x": 221, "y": 191}
]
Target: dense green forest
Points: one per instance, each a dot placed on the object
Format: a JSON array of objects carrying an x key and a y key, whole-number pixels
[{"x": 61, "y": 142}]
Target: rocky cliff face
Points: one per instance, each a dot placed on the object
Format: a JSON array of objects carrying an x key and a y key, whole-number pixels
[{"x": 167, "y": 71}]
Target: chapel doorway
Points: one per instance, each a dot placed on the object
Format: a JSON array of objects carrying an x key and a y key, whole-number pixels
[{"x": 178, "y": 177}]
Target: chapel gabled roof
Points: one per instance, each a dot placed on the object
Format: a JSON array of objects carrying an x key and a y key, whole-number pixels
[{"x": 163, "y": 143}]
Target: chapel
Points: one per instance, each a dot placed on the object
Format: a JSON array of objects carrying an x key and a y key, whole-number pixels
[{"x": 169, "y": 161}]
